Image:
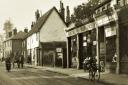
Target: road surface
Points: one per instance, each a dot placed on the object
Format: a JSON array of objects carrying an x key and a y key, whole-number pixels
[{"x": 32, "y": 76}]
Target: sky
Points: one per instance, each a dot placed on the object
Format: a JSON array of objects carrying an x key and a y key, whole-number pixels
[{"x": 22, "y": 12}]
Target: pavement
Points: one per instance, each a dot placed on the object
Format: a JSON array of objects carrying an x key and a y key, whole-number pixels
[{"x": 106, "y": 77}]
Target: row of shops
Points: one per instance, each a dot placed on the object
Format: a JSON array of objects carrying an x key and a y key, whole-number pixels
[{"x": 105, "y": 38}]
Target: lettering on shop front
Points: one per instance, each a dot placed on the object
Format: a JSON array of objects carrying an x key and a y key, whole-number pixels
[{"x": 80, "y": 29}]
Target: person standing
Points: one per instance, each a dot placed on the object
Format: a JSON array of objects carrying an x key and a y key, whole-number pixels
[
  {"x": 8, "y": 64},
  {"x": 22, "y": 61}
]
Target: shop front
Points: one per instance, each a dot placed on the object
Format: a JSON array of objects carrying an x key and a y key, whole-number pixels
[
  {"x": 54, "y": 54},
  {"x": 110, "y": 42},
  {"x": 80, "y": 45}
]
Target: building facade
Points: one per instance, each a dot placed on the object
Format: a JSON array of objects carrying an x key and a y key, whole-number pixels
[
  {"x": 103, "y": 38},
  {"x": 46, "y": 41},
  {"x": 13, "y": 45}
]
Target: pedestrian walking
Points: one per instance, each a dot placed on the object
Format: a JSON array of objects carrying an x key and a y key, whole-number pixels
[
  {"x": 8, "y": 63},
  {"x": 22, "y": 61}
]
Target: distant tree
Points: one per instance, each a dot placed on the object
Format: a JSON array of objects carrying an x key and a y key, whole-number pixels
[
  {"x": 8, "y": 26},
  {"x": 84, "y": 12}
]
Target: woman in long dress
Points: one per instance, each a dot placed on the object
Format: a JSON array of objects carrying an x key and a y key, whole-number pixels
[{"x": 8, "y": 64}]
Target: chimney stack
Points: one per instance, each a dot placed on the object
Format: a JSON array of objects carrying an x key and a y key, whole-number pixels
[
  {"x": 62, "y": 10},
  {"x": 32, "y": 25},
  {"x": 73, "y": 18},
  {"x": 37, "y": 15},
  {"x": 68, "y": 15},
  {"x": 9, "y": 34},
  {"x": 26, "y": 30},
  {"x": 14, "y": 31}
]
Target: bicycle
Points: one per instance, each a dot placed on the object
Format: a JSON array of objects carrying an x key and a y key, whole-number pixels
[
  {"x": 93, "y": 68},
  {"x": 94, "y": 72}
]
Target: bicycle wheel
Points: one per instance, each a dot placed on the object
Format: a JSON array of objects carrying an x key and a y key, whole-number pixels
[
  {"x": 91, "y": 75},
  {"x": 97, "y": 74}
]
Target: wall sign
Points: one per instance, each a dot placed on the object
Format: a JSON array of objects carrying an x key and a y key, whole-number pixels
[
  {"x": 110, "y": 31},
  {"x": 81, "y": 29},
  {"x": 58, "y": 49}
]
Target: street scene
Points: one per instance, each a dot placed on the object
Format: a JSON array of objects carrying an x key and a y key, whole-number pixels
[
  {"x": 32, "y": 76},
  {"x": 76, "y": 42}
]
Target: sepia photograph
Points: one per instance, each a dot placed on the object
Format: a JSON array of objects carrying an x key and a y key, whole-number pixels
[{"x": 63, "y": 42}]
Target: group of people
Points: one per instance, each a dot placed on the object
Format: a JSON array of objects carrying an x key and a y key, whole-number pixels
[
  {"x": 89, "y": 62},
  {"x": 11, "y": 60}
]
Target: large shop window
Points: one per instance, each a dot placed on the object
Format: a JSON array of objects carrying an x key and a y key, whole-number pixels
[
  {"x": 110, "y": 48},
  {"x": 74, "y": 47}
]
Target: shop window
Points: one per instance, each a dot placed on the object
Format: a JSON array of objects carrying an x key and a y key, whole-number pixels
[
  {"x": 74, "y": 47},
  {"x": 110, "y": 48}
]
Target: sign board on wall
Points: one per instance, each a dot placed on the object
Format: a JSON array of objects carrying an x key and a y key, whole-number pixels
[
  {"x": 81, "y": 29},
  {"x": 102, "y": 20},
  {"x": 110, "y": 31},
  {"x": 84, "y": 43},
  {"x": 58, "y": 49},
  {"x": 60, "y": 55},
  {"x": 94, "y": 42}
]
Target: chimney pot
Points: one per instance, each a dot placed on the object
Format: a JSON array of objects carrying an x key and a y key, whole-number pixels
[
  {"x": 26, "y": 30},
  {"x": 14, "y": 31},
  {"x": 9, "y": 34},
  {"x": 68, "y": 15},
  {"x": 37, "y": 14}
]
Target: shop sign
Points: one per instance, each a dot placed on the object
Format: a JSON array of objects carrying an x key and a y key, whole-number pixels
[
  {"x": 84, "y": 38},
  {"x": 90, "y": 26},
  {"x": 84, "y": 43},
  {"x": 94, "y": 42},
  {"x": 60, "y": 55},
  {"x": 81, "y": 29},
  {"x": 110, "y": 31},
  {"x": 58, "y": 49},
  {"x": 102, "y": 21}
]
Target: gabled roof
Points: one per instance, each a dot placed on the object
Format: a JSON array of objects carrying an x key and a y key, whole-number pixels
[
  {"x": 19, "y": 36},
  {"x": 40, "y": 22}
]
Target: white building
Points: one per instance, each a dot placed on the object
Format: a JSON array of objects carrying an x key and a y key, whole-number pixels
[{"x": 48, "y": 28}]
